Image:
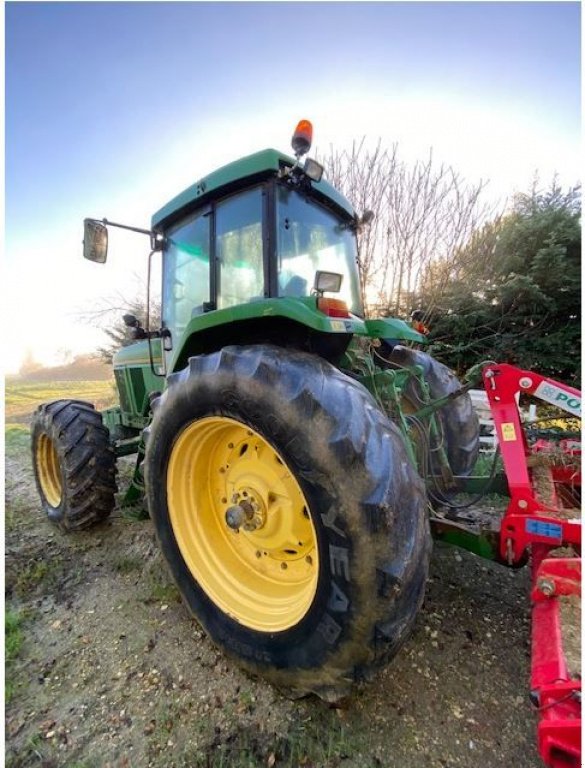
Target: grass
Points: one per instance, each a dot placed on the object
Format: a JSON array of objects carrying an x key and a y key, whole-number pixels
[
  {"x": 22, "y": 398},
  {"x": 31, "y": 576},
  {"x": 44, "y": 574},
  {"x": 320, "y": 740},
  {"x": 16, "y": 437},
  {"x": 32, "y": 754},
  {"x": 12, "y": 634},
  {"x": 165, "y": 593},
  {"x": 84, "y": 764},
  {"x": 128, "y": 564},
  {"x": 13, "y": 638},
  {"x": 16, "y": 445}
]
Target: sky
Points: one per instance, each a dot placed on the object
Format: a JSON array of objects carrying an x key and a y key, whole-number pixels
[{"x": 111, "y": 109}]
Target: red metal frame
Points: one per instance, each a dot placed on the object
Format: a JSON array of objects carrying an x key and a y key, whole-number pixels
[
  {"x": 532, "y": 524},
  {"x": 558, "y": 697}
]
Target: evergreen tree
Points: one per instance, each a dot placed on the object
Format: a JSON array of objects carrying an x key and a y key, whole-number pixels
[{"x": 515, "y": 293}]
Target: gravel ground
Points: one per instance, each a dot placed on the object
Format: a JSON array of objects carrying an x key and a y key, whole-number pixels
[{"x": 112, "y": 671}]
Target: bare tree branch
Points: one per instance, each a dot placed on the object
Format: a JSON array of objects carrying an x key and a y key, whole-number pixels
[{"x": 424, "y": 215}]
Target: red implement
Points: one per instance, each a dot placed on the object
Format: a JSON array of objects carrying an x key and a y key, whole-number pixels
[{"x": 543, "y": 518}]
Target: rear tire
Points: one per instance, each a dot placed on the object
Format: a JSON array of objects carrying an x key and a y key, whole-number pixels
[
  {"x": 327, "y": 472},
  {"x": 74, "y": 464}
]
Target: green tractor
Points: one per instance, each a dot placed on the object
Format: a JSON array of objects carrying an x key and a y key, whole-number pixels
[{"x": 286, "y": 446}]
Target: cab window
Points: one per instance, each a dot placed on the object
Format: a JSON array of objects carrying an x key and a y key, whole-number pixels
[
  {"x": 239, "y": 248},
  {"x": 186, "y": 273},
  {"x": 311, "y": 238}
]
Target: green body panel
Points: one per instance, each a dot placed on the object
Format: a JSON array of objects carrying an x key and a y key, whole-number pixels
[
  {"x": 258, "y": 164},
  {"x": 137, "y": 354},
  {"x": 135, "y": 380},
  {"x": 298, "y": 310},
  {"x": 393, "y": 328}
]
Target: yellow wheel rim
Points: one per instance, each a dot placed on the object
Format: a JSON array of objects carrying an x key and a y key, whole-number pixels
[
  {"x": 48, "y": 470},
  {"x": 264, "y": 573}
]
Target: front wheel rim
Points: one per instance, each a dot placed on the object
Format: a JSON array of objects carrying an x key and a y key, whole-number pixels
[
  {"x": 263, "y": 574},
  {"x": 49, "y": 471}
]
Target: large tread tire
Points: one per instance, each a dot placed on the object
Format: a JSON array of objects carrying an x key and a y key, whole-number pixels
[
  {"x": 366, "y": 502},
  {"x": 458, "y": 418},
  {"x": 74, "y": 464}
]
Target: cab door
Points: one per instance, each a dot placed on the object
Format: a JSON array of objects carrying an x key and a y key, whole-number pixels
[{"x": 186, "y": 276}]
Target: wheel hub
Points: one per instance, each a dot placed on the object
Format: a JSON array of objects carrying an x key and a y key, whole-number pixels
[{"x": 246, "y": 514}]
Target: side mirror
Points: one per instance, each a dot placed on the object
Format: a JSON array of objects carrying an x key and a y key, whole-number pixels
[
  {"x": 136, "y": 330},
  {"x": 131, "y": 321},
  {"x": 95, "y": 241}
]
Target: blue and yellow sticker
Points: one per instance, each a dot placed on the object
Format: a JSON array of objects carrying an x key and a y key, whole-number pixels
[{"x": 342, "y": 326}]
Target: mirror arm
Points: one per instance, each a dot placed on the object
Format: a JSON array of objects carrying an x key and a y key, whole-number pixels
[{"x": 156, "y": 238}]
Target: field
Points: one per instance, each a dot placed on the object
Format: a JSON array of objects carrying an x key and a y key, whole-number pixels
[
  {"x": 22, "y": 397},
  {"x": 105, "y": 668}
]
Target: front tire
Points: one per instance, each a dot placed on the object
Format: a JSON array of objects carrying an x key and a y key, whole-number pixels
[
  {"x": 74, "y": 464},
  {"x": 323, "y": 575}
]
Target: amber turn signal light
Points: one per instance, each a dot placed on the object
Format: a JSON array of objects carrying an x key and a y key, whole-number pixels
[{"x": 332, "y": 307}]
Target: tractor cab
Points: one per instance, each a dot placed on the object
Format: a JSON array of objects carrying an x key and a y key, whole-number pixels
[{"x": 263, "y": 227}]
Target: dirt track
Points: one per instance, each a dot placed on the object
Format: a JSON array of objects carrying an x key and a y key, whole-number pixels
[{"x": 113, "y": 672}]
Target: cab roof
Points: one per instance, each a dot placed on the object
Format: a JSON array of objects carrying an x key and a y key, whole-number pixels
[{"x": 260, "y": 165}]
